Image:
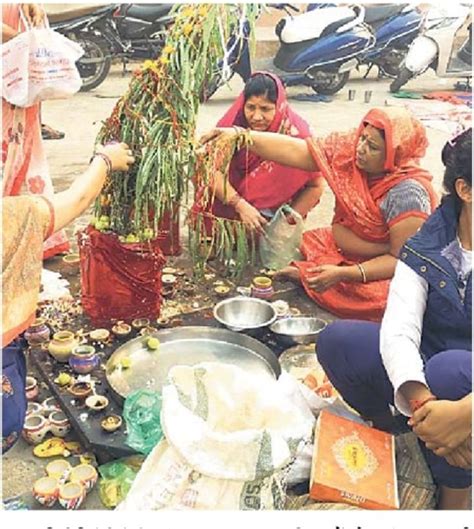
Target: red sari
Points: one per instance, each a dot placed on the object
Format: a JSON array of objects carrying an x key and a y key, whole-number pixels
[
  {"x": 264, "y": 184},
  {"x": 358, "y": 206}
]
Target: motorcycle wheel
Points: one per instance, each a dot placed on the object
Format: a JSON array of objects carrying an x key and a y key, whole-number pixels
[
  {"x": 330, "y": 84},
  {"x": 403, "y": 77},
  {"x": 93, "y": 74}
]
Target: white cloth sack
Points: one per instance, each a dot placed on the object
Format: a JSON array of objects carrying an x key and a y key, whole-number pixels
[
  {"x": 39, "y": 64},
  {"x": 230, "y": 440}
]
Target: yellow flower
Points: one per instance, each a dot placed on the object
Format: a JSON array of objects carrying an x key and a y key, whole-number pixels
[
  {"x": 202, "y": 11},
  {"x": 168, "y": 49},
  {"x": 164, "y": 60},
  {"x": 188, "y": 11},
  {"x": 187, "y": 29},
  {"x": 148, "y": 65}
]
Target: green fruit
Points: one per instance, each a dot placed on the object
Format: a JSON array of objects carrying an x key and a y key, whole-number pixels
[
  {"x": 93, "y": 221},
  {"x": 104, "y": 218},
  {"x": 131, "y": 238},
  {"x": 153, "y": 343},
  {"x": 148, "y": 234},
  {"x": 100, "y": 226}
]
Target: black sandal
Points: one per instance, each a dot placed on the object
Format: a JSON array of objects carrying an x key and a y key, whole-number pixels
[{"x": 48, "y": 133}]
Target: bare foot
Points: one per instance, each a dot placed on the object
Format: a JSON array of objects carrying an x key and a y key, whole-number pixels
[{"x": 289, "y": 272}]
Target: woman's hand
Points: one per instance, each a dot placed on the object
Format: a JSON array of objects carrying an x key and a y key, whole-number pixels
[
  {"x": 326, "y": 277},
  {"x": 34, "y": 14},
  {"x": 461, "y": 456},
  {"x": 442, "y": 424},
  {"x": 119, "y": 154},
  {"x": 221, "y": 132},
  {"x": 250, "y": 216}
]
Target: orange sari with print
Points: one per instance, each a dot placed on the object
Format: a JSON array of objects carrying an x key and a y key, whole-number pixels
[
  {"x": 27, "y": 222},
  {"x": 358, "y": 206},
  {"x": 24, "y": 165}
]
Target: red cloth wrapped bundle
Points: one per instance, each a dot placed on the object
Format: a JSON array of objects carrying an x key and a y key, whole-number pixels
[
  {"x": 168, "y": 232},
  {"x": 119, "y": 281}
]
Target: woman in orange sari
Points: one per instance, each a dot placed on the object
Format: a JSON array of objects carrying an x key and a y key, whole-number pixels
[
  {"x": 25, "y": 169},
  {"x": 382, "y": 198}
]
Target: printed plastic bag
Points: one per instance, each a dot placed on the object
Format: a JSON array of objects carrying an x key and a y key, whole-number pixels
[
  {"x": 230, "y": 440},
  {"x": 39, "y": 64},
  {"x": 280, "y": 243},
  {"x": 141, "y": 412},
  {"x": 116, "y": 478}
]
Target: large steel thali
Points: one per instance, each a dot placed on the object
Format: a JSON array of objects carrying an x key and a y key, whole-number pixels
[{"x": 185, "y": 346}]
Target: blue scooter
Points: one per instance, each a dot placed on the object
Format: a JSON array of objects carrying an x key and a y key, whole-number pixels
[{"x": 319, "y": 47}]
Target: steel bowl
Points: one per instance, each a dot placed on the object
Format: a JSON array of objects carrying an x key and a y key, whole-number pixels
[
  {"x": 242, "y": 313},
  {"x": 298, "y": 330}
]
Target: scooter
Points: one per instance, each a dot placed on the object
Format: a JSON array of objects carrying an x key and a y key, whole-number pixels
[
  {"x": 317, "y": 49},
  {"x": 125, "y": 31},
  {"x": 435, "y": 47}
]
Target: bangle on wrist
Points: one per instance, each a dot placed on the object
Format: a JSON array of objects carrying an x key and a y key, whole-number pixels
[
  {"x": 416, "y": 404},
  {"x": 107, "y": 161},
  {"x": 362, "y": 272},
  {"x": 234, "y": 200}
]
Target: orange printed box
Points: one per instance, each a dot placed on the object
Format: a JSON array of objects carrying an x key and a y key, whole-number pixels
[{"x": 353, "y": 463}]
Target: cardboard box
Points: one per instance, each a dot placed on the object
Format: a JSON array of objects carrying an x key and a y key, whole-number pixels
[{"x": 354, "y": 464}]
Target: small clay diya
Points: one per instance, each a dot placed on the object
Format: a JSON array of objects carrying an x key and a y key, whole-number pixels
[
  {"x": 163, "y": 322},
  {"x": 121, "y": 329},
  {"x": 147, "y": 331},
  {"x": 99, "y": 335},
  {"x": 294, "y": 311},
  {"x": 188, "y": 288},
  {"x": 168, "y": 279},
  {"x": 169, "y": 270},
  {"x": 140, "y": 322},
  {"x": 111, "y": 423},
  {"x": 72, "y": 260},
  {"x": 97, "y": 402},
  {"x": 222, "y": 291},
  {"x": 80, "y": 390}
]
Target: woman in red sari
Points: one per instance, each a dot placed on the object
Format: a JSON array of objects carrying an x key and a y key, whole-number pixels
[
  {"x": 256, "y": 187},
  {"x": 382, "y": 198},
  {"x": 24, "y": 166}
]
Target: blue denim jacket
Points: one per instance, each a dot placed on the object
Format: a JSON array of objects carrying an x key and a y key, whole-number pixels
[{"x": 448, "y": 316}]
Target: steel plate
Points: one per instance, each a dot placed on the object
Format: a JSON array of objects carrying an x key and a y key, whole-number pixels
[{"x": 185, "y": 346}]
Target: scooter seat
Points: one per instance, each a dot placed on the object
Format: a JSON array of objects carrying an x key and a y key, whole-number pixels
[
  {"x": 73, "y": 13},
  {"x": 375, "y": 14},
  {"x": 148, "y": 12}
]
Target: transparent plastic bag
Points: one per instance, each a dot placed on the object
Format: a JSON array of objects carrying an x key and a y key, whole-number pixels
[
  {"x": 116, "y": 478},
  {"x": 141, "y": 412},
  {"x": 280, "y": 243}
]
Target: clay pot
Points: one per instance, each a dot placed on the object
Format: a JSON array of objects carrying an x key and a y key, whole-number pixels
[
  {"x": 222, "y": 291},
  {"x": 83, "y": 359},
  {"x": 97, "y": 402},
  {"x": 62, "y": 344},
  {"x": 121, "y": 329},
  {"x": 111, "y": 423},
  {"x": 147, "y": 331},
  {"x": 59, "y": 424},
  {"x": 140, "y": 322},
  {"x": 262, "y": 288},
  {"x": 58, "y": 469},
  {"x": 49, "y": 405},
  {"x": 167, "y": 291},
  {"x": 31, "y": 388},
  {"x": 71, "y": 495},
  {"x": 80, "y": 390},
  {"x": 84, "y": 474},
  {"x": 99, "y": 335},
  {"x": 38, "y": 332},
  {"x": 34, "y": 408},
  {"x": 163, "y": 322},
  {"x": 46, "y": 491},
  {"x": 168, "y": 279},
  {"x": 35, "y": 428}
]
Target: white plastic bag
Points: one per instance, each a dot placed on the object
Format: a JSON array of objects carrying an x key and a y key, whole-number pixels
[
  {"x": 280, "y": 242},
  {"x": 231, "y": 438},
  {"x": 39, "y": 64}
]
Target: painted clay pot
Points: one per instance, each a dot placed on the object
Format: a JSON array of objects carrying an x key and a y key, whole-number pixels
[
  {"x": 71, "y": 263},
  {"x": 99, "y": 335},
  {"x": 34, "y": 408},
  {"x": 121, "y": 329},
  {"x": 59, "y": 423},
  {"x": 59, "y": 469},
  {"x": 38, "y": 332},
  {"x": 71, "y": 495},
  {"x": 46, "y": 491},
  {"x": 84, "y": 474},
  {"x": 49, "y": 405},
  {"x": 80, "y": 390},
  {"x": 262, "y": 288},
  {"x": 62, "y": 344},
  {"x": 31, "y": 388},
  {"x": 35, "y": 429},
  {"x": 97, "y": 402},
  {"x": 83, "y": 359}
]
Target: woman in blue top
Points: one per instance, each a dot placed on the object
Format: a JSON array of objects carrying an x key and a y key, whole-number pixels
[{"x": 420, "y": 358}]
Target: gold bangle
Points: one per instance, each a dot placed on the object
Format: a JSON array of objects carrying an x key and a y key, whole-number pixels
[{"x": 362, "y": 272}]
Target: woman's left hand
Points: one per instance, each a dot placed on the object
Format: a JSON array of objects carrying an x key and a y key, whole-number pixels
[
  {"x": 34, "y": 14},
  {"x": 442, "y": 424},
  {"x": 459, "y": 457},
  {"x": 327, "y": 276}
]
